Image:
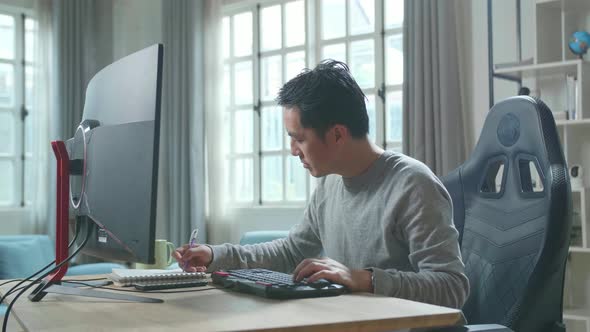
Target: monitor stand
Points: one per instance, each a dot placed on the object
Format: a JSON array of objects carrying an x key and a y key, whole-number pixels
[{"x": 52, "y": 283}]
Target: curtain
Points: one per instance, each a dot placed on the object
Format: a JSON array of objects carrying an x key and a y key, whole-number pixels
[
  {"x": 182, "y": 139},
  {"x": 75, "y": 63},
  {"x": 39, "y": 117},
  {"x": 64, "y": 63},
  {"x": 75, "y": 49},
  {"x": 432, "y": 106},
  {"x": 215, "y": 135}
]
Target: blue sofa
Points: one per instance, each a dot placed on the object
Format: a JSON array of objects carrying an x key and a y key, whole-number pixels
[
  {"x": 23, "y": 255},
  {"x": 262, "y": 236}
]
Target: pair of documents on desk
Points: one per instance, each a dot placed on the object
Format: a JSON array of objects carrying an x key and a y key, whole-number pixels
[{"x": 128, "y": 277}]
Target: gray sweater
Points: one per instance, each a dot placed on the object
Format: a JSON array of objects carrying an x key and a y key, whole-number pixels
[{"x": 395, "y": 219}]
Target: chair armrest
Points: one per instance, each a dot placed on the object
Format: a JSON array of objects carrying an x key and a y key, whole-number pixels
[{"x": 93, "y": 268}]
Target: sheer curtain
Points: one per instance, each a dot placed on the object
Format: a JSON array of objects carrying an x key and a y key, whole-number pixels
[
  {"x": 432, "y": 111},
  {"x": 64, "y": 63},
  {"x": 73, "y": 62},
  {"x": 182, "y": 148},
  {"x": 214, "y": 114},
  {"x": 40, "y": 118}
]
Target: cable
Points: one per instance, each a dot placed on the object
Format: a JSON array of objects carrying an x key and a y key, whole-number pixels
[
  {"x": 22, "y": 291},
  {"x": 9, "y": 281},
  {"x": 13, "y": 289}
]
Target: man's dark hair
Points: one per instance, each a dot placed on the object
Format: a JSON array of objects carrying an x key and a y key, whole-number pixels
[{"x": 326, "y": 96}]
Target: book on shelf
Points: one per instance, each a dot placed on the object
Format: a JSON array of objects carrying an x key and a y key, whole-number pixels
[
  {"x": 128, "y": 277},
  {"x": 560, "y": 115},
  {"x": 571, "y": 88}
]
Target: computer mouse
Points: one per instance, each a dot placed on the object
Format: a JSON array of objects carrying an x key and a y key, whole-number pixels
[{"x": 320, "y": 283}]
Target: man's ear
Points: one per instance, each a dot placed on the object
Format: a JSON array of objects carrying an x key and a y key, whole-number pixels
[{"x": 340, "y": 132}]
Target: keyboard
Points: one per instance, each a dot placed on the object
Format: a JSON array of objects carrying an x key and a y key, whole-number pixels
[{"x": 274, "y": 285}]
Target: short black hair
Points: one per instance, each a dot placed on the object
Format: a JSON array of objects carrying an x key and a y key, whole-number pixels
[{"x": 326, "y": 96}]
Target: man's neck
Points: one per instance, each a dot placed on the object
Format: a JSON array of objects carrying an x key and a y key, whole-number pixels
[{"x": 359, "y": 157}]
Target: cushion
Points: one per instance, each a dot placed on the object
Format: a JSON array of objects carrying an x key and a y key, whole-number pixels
[{"x": 21, "y": 256}]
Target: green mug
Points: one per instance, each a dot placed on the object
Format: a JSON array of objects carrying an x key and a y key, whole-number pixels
[{"x": 163, "y": 255}]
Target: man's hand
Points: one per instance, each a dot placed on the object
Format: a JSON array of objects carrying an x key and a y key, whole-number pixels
[
  {"x": 194, "y": 259},
  {"x": 327, "y": 268}
]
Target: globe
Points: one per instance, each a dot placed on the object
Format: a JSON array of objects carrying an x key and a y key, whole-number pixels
[{"x": 579, "y": 43}]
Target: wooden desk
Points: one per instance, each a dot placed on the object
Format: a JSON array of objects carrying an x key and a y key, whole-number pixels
[{"x": 211, "y": 309}]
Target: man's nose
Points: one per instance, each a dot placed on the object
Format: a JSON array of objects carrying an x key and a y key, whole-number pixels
[{"x": 294, "y": 150}]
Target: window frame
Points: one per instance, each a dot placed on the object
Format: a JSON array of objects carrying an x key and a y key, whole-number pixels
[
  {"x": 285, "y": 151},
  {"x": 389, "y": 88},
  {"x": 313, "y": 53},
  {"x": 18, "y": 110},
  {"x": 256, "y": 57}
]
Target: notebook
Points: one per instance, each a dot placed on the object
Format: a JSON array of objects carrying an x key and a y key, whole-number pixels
[{"x": 128, "y": 277}]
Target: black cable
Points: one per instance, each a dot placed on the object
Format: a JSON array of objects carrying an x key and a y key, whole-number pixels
[
  {"x": 72, "y": 281},
  {"x": 13, "y": 289},
  {"x": 7, "y": 314},
  {"x": 9, "y": 281}
]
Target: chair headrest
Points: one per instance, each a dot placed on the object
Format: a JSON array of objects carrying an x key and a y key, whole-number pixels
[
  {"x": 517, "y": 132},
  {"x": 516, "y": 125}
]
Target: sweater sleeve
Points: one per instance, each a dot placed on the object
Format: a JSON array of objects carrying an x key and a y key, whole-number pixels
[
  {"x": 424, "y": 221},
  {"x": 281, "y": 255}
]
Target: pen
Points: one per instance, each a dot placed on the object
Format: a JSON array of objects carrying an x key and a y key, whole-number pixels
[{"x": 192, "y": 242}]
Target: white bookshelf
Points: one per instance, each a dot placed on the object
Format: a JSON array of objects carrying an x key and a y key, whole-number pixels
[{"x": 545, "y": 75}]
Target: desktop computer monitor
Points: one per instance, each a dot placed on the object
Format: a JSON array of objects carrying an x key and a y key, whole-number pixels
[
  {"x": 114, "y": 158},
  {"x": 107, "y": 174}
]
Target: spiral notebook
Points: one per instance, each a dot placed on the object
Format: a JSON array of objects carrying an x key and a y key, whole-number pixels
[{"x": 128, "y": 277}]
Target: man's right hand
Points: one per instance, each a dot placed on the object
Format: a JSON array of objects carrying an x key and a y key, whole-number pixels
[{"x": 195, "y": 259}]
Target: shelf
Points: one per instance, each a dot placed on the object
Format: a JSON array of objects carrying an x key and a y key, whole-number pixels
[
  {"x": 566, "y": 5},
  {"x": 580, "y": 250},
  {"x": 572, "y": 122},
  {"x": 576, "y": 313},
  {"x": 569, "y": 67}
]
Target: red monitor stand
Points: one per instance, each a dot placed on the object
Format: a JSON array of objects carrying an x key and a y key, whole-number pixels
[{"x": 52, "y": 283}]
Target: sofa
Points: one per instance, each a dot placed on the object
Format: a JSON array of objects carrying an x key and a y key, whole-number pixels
[{"x": 23, "y": 255}]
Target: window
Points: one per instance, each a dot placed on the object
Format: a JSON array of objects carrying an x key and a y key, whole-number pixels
[
  {"x": 263, "y": 48},
  {"x": 16, "y": 88}
]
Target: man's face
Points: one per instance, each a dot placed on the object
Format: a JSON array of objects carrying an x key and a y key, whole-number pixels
[{"x": 315, "y": 154}]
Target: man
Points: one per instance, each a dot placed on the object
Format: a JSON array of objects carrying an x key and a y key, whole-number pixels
[{"x": 383, "y": 220}]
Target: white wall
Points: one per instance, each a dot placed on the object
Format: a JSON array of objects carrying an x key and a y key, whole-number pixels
[
  {"x": 504, "y": 37},
  {"x": 479, "y": 84}
]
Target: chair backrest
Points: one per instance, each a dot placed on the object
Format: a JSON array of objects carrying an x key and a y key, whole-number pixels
[{"x": 512, "y": 207}]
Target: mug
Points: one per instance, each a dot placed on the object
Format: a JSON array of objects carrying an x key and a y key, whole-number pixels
[{"x": 163, "y": 255}]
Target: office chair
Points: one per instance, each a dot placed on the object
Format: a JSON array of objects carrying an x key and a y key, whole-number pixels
[{"x": 512, "y": 207}]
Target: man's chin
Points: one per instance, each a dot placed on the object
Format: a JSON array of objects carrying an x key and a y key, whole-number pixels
[{"x": 315, "y": 173}]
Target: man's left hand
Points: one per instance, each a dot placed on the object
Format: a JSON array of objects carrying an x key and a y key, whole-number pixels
[{"x": 327, "y": 268}]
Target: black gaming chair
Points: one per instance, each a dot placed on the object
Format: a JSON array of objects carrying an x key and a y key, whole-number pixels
[{"x": 512, "y": 207}]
